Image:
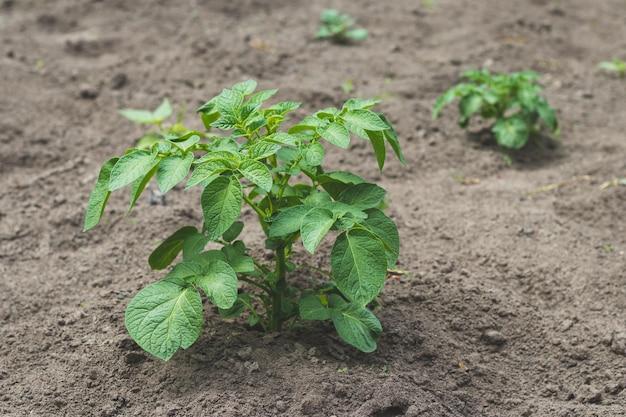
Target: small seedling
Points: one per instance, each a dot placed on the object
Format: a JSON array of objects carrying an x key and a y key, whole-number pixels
[
  {"x": 279, "y": 175},
  {"x": 339, "y": 27},
  {"x": 616, "y": 66},
  {"x": 513, "y": 100}
]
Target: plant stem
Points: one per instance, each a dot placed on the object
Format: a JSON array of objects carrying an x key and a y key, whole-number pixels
[
  {"x": 279, "y": 289},
  {"x": 256, "y": 284}
]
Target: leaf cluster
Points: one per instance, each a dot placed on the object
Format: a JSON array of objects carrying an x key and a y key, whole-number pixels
[
  {"x": 339, "y": 27},
  {"x": 513, "y": 101},
  {"x": 252, "y": 160}
]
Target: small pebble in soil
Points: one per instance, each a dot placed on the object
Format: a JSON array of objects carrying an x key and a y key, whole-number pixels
[
  {"x": 88, "y": 92},
  {"x": 244, "y": 353},
  {"x": 281, "y": 406},
  {"x": 119, "y": 80},
  {"x": 493, "y": 337}
]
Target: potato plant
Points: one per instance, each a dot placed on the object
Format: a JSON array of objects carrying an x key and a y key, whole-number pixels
[
  {"x": 339, "y": 27},
  {"x": 278, "y": 173},
  {"x": 513, "y": 101}
]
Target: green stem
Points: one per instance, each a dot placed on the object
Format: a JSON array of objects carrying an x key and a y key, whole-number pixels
[
  {"x": 256, "y": 284},
  {"x": 279, "y": 289}
]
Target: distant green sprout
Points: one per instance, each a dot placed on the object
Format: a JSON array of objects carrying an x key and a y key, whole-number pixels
[
  {"x": 513, "y": 100},
  {"x": 339, "y": 27},
  {"x": 616, "y": 66}
]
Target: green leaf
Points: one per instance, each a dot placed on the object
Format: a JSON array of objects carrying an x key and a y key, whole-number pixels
[
  {"x": 365, "y": 119},
  {"x": 221, "y": 204},
  {"x": 163, "y": 111},
  {"x": 468, "y": 106},
  {"x": 194, "y": 245},
  {"x": 356, "y": 325},
  {"x": 237, "y": 257},
  {"x": 511, "y": 132},
  {"x": 258, "y": 98},
  {"x": 140, "y": 184},
  {"x": 243, "y": 301},
  {"x": 233, "y": 231},
  {"x": 245, "y": 87},
  {"x": 164, "y": 317},
  {"x": 392, "y": 138},
  {"x": 288, "y": 221},
  {"x": 228, "y": 101},
  {"x": 547, "y": 114},
  {"x": 378, "y": 143},
  {"x": 207, "y": 171},
  {"x": 363, "y": 196},
  {"x": 384, "y": 229},
  {"x": 149, "y": 117},
  {"x": 262, "y": 149},
  {"x": 130, "y": 167},
  {"x": 357, "y": 35},
  {"x": 315, "y": 225},
  {"x": 172, "y": 170},
  {"x": 99, "y": 196},
  {"x": 314, "y": 154},
  {"x": 336, "y": 181},
  {"x": 167, "y": 251},
  {"x": 336, "y": 134},
  {"x": 312, "y": 308},
  {"x": 257, "y": 173},
  {"x": 443, "y": 100},
  {"x": 219, "y": 282},
  {"x": 359, "y": 265}
]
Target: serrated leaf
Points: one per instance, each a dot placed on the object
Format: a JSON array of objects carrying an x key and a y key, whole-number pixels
[
  {"x": 362, "y": 196},
  {"x": 315, "y": 225},
  {"x": 233, "y": 231},
  {"x": 288, "y": 221},
  {"x": 221, "y": 204},
  {"x": 172, "y": 170},
  {"x": 356, "y": 325},
  {"x": 511, "y": 132},
  {"x": 386, "y": 230},
  {"x": 99, "y": 196},
  {"x": 257, "y": 173},
  {"x": 164, "y": 317},
  {"x": 364, "y": 119},
  {"x": 130, "y": 167},
  {"x": 336, "y": 134},
  {"x": 312, "y": 308},
  {"x": 359, "y": 265},
  {"x": 167, "y": 251}
]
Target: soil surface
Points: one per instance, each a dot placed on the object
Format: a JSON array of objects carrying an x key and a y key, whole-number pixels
[{"x": 514, "y": 303}]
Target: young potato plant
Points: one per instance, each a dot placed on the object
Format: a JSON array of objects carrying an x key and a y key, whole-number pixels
[
  {"x": 513, "y": 100},
  {"x": 278, "y": 173},
  {"x": 616, "y": 66},
  {"x": 339, "y": 27}
]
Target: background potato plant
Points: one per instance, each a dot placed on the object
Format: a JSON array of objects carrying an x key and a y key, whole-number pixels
[
  {"x": 254, "y": 161},
  {"x": 513, "y": 101},
  {"x": 339, "y": 27}
]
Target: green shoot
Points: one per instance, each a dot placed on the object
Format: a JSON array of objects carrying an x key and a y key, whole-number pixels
[
  {"x": 339, "y": 27},
  {"x": 616, "y": 66}
]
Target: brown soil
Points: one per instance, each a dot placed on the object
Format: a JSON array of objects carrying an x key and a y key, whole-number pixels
[{"x": 514, "y": 303}]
